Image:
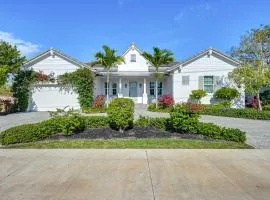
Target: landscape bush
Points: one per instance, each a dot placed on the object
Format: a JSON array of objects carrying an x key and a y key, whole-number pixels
[
  {"x": 157, "y": 122},
  {"x": 208, "y": 129},
  {"x": 266, "y": 107},
  {"x": 152, "y": 107},
  {"x": 165, "y": 101},
  {"x": 194, "y": 107},
  {"x": 266, "y": 97},
  {"x": 197, "y": 95},
  {"x": 214, "y": 131},
  {"x": 226, "y": 94},
  {"x": 96, "y": 121},
  {"x": 22, "y": 134},
  {"x": 64, "y": 125},
  {"x": 184, "y": 120},
  {"x": 120, "y": 113},
  {"x": 247, "y": 113}
]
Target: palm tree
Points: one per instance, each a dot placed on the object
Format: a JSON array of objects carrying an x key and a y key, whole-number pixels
[
  {"x": 108, "y": 59},
  {"x": 158, "y": 58}
]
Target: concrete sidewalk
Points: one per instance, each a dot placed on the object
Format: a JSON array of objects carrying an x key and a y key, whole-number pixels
[{"x": 135, "y": 174}]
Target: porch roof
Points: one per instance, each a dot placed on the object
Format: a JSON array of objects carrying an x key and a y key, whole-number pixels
[{"x": 130, "y": 74}]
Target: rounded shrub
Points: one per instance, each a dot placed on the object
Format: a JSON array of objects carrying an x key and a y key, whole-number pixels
[
  {"x": 120, "y": 113},
  {"x": 183, "y": 120},
  {"x": 22, "y": 134},
  {"x": 226, "y": 94},
  {"x": 197, "y": 94}
]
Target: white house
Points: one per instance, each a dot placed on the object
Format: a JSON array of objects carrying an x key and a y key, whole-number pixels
[{"x": 207, "y": 70}]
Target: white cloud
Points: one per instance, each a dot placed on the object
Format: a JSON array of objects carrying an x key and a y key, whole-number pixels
[
  {"x": 197, "y": 9},
  {"x": 26, "y": 48}
]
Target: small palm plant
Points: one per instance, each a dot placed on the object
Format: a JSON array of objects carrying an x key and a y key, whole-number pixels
[
  {"x": 158, "y": 58},
  {"x": 108, "y": 59}
]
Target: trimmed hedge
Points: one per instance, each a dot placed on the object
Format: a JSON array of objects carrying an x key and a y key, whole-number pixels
[
  {"x": 96, "y": 121},
  {"x": 246, "y": 113},
  {"x": 214, "y": 131},
  {"x": 208, "y": 129},
  {"x": 21, "y": 134},
  {"x": 157, "y": 122},
  {"x": 40, "y": 131}
]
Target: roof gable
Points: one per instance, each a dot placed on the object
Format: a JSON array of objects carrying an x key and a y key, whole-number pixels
[
  {"x": 51, "y": 52},
  {"x": 209, "y": 51}
]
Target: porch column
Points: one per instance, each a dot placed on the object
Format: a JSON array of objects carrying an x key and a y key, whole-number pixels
[
  {"x": 145, "y": 96},
  {"x": 120, "y": 88}
]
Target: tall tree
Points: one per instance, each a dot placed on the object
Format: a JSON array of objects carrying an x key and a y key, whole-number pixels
[
  {"x": 253, "y": 75},
  {"x": 158, "y": 58},
  {"x": 255, "y": 44},
  {"x": 10, "y": 61},
  {"x": 108, "y": 59}
]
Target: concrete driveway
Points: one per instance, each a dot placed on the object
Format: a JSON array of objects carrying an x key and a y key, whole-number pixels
[
  {"x": 16, "y": 119},
  {"x": 135, "y": 174},
  {"x": 258, "y": 131}
]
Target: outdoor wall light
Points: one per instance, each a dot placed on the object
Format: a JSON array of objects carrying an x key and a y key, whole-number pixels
[
  {"x": 125, "y": 85},
  {"x": 140, "y": 85}
]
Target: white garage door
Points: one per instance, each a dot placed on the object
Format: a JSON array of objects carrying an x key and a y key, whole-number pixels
[{"x": 48, "y": 98}]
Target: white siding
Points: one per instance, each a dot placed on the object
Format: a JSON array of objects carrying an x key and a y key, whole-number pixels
[
  {"x": 54, "y": 64},
  {"x": 205, "y": 66},
  {"x": 48, "y": 98},
  {"x": 141, "y": 63}
]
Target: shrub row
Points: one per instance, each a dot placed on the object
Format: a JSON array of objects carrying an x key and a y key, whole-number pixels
[
  {"x": 246, "y": 113},
  {"x": 182, "y": 120},
  {"x": 157, "y": 122},
  {"x": 65, "y": 125}
]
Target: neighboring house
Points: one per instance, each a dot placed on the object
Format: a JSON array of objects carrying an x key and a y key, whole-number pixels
[{"x": 134, "y": 79}]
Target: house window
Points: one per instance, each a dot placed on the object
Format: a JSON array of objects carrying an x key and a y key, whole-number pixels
[
  {"x": 208, "y": 84},
  {"x": 114, "y": 88},
  {"x": 185, "y": 80},
  {"x": 133, "y": 58},
  {"x": 152, "y": 88},
  {"x": 160, "y": 87},
  {"x": 106, "y": 87}
]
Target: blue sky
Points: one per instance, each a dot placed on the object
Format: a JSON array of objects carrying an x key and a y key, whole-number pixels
[{"x": 79, "y": 28}]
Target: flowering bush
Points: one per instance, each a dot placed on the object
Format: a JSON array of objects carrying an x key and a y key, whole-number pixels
[
  {"x": 195, "y": 107},
  {"x": 165, "y": 101},
  {"x": 254, "y": 103},
  {"x": 40, "y": 76},
  {"x": 99, "y": 101}
]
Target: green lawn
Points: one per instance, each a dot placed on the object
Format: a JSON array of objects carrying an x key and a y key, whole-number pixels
[{"x": 132, "y": 144}]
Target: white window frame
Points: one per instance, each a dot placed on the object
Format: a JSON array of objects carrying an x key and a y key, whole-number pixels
[
  {"x": 133, "y": 58},
  {"x": 160, "y": 88},
  {"x": 208, "y": 84},
  {"x": 185, "y": 80},
  {"x": 114, "y": 88},
  {"x": 106, "y": 86},
  {"x": 152, "y": 87}
]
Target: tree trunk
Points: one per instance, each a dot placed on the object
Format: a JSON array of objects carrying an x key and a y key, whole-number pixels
[
  {"x": 108, "y": 89},
  {"x": 156, "y": 93},
  {"x": 259, "y": 101}
]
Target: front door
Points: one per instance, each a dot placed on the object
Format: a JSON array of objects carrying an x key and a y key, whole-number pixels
[{"x": 133, "y": 92}]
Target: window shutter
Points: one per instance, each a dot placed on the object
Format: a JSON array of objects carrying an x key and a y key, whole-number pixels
[
  {"x": 217, "y": 84},
  {"x": 200, "y": 82}
]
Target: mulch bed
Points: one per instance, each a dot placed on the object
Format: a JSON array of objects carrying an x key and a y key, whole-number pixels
[{"x": 136, "y": 132}]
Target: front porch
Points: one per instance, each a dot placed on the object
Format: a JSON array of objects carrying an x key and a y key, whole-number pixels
[{"x": 141, "y": 89}]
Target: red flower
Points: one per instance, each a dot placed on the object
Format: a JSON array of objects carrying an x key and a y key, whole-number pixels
[
  {"x": 99, "y": 101},
  {"x": 165, "y": 101}
]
